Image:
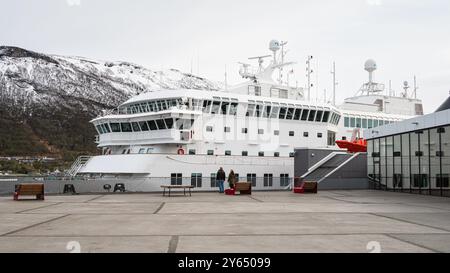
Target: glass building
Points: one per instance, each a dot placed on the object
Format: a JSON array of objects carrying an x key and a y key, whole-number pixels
[{"x": 412, "y": 155}]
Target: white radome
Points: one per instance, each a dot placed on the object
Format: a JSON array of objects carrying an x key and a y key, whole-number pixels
[
  {"x": 370, "y": 65},
  {"x": 274, "y": 45}
]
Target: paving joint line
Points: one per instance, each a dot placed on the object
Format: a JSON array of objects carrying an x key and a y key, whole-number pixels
[
  {"x": 173, "y": 244},
  {"x": 34, "y": 225},
  {"x": 412, "y": 243},
  {"x": 159, "y": 208},
  {"x": 46, "y": 206},
  {"x": 409, "y": 222}
]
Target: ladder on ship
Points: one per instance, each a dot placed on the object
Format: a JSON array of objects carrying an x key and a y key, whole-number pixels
[{"x": 78, "y": 164}]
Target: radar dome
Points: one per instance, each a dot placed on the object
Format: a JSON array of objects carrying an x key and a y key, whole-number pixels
[
  {"x": 274, "y": 45},
  {"x": 370, "y": 65}
]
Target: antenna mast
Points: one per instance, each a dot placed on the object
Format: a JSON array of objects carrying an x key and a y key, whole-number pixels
[
  {"x": 308, "y": 74},
  {"x": 415, "y": 87},
  {"x": 334, "y": 83}
]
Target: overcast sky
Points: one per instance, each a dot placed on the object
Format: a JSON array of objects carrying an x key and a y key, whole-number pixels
[{"x": 405, "y": 37}]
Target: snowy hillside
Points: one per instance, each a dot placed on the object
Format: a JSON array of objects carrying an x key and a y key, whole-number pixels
[
  {"x": 47, "y": 101},
  {"x": 27, "y": 77}
]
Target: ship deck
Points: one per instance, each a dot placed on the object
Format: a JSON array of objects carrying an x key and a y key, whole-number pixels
[{"x": 331, "y": 221}]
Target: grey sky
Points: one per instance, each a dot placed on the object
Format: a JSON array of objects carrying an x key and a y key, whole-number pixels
[{"x": 405, "y": 37}]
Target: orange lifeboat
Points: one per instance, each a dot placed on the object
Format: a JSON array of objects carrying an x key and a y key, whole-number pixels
[{"x": 356, "y": 145}]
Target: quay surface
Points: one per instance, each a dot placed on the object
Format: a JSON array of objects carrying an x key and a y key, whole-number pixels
[{"x": 331, "y": 221}]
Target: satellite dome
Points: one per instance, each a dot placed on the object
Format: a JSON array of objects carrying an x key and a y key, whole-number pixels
[
  {"x": 370, "y": 65},
  {"x": 274, "y": 45}
]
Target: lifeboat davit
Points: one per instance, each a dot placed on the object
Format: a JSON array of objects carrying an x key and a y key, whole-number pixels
[{"x": 356, "y": 145}]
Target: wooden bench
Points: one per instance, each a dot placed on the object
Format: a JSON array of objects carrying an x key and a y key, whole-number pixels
[
  {"x": 184, "y": 187},
  {"x": 243, "y": 187},
  {"x": 36, "y": 189}
]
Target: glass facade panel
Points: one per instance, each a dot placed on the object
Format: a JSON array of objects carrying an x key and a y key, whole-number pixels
[{"x": 415, "y": 162}]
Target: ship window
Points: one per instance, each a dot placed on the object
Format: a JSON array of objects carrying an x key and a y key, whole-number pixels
[
  {"x": 126, "y": 127},
  {"x": 282, "y": 113},
  {"x": 442, "y": 180},
  {"x": 375, "y": 123},
  {"x": 297, "y": 114},
  {"x": 176, "y": 179},
  {"x": 152, "y": 125},
  {"x": 135, "y": 126},
  {"x": 305, "y": 134},
  {"x": 275, "y": 111},
  {"x": 244, "y": 153},
  {"x": 144, "y": 125},
  {"x": 290, "y": 113},
  {"x": 319, "y": 116},
  {"x": 364, "y": 123},
  {"x": 144, "y": 107},
  {"x": 291, "y": 154},
  {"x": 233, "y": 108},
  {"x": 251, "y": 177},
  {"x": 283, "y": 94},
  {"x": 312, "y": 114},
  {"x": 338, "y": 118},
  {"x": 227, "y": 129},
  {"x": 192, "y": 151},
  {"x": 284, "y": 179},
  {"x": 250, "y": 110},
  {"x": 169, "y": 123},
  {"x": 268, "y": 180},
  {"x": 207, "y": 106},
  {"x": 149, "y": 150},
  {"x": 326, "y": 115},
  {"x": 305, "y": 114},
  {"x": 215, "y": 107},
  {"x": 161, "y": 125},
  {"x": 162, "y": 104},
  {"x": 276, "y": 132},
  {"x": 141, "y": 150},
  {"x": 352, "y": 122},
  {"x": 358, "y": 122},
  {"x": 196, "y": 104},
  {"x": 267, "y": 109},
  {"x": 172, "y": 103},
  {"x": 260, "y": 131},
  {"x": 244, "y": 130},
  {"x": 152, "y": 106},
  {"x": 124, "y": 151},
  {"x": 210, "y": 152},
  {"x": 346, "y": 122},
  {"x": 369, "y": 123},
  {"x": 319, "y": 135},
  {"x": 291, "y": 133},
  {"x": 225, "y": 106},
  {"x": 260, "y": 153},
  {"x": 228, "y": 152},
  {"x": 106, "y": 127},
  {"x": 99, "y": 129},
  {"x": 209, "y": 128},
  {"x": 213, "y": 180},
  {"x": 115, "y": 127},
  {"x": 276, "y": 154},
  {"x": 258, "y": 110}
]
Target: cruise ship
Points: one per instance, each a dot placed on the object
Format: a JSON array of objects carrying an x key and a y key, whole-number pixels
[{"x": 170, "y": 136}]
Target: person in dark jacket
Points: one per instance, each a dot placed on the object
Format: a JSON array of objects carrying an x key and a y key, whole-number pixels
[
  {"x": 232, "y": 179},
  {"x": 220, "y": 178}
]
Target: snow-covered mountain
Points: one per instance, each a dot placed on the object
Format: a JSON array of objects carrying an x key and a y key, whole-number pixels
[
  {"x": 46, "y": 101},
  {"x": 28, "y": 77}
]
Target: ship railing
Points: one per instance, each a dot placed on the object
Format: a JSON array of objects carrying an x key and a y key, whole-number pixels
[{"x": 77, "y": 165}]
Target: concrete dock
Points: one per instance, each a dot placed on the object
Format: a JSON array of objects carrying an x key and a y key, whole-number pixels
[{"x": 330, "y": 221}]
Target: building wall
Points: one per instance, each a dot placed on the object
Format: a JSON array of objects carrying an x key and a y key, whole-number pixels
[{"x": 416, "y": 161}]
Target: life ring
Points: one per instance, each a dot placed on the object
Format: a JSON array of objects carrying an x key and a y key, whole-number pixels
[{"x": 180, "y": 151}]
